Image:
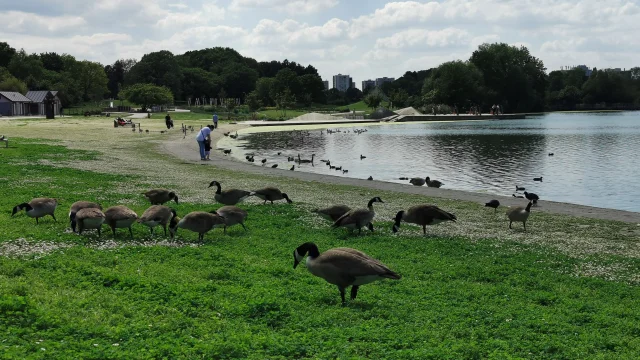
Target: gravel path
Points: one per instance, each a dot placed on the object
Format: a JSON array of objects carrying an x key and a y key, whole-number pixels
[{"x": 187, "y": 151}]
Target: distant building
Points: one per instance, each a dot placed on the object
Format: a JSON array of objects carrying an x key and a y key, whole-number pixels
[
  {"x": 585, "y": 68},
  {"x": 13, "y": 104},
  {"x": 382, "y": 80},
  {"x": 326, "y": 84},
  {"x": 342, "y": 82},
  {"x": 41, "y": 99},
  {"x": 368, "y": 84}
]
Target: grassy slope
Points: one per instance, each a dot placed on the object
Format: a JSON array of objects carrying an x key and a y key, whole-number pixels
[
  {"x": 361, "y": 106},
  {"x": 236, "y": 295}
]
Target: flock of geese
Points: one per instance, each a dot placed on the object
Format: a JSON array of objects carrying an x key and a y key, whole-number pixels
[{"x": 342, "y": 266}]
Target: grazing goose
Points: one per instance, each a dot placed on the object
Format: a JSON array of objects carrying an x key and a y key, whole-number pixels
[
  {"x": 160, "y": 196},
  {"x": 229, "y": 197},
  {"x": 403, "y": 178},
  {"x": 343, "y": 267},
  {"x": 345, "y": 171},
  {"x": 537, "y": 179},
  {"x": 227, "y": 152},
  {"x": 334, "y": 212},
  {"x": 519, "y": 214},
  {"x": 89, "y": 218},
  {"x": 227, "y": 133},
  {"x": 358, "y": 218},
  {"x": 197, "y": 221},
  {"x": 422, "y": 215},
  {"x": 531, "y": 197},
  {"x": 370, "y": 178},
  {"x": 118, "y": 217},
  {"x": 157, "y": 215},
  {"x": 433, "y": 183},
  {"x": 232, "y": 215},
  {"x": 362, "y": 157},
  {"x": 274, "y": 166},
  {"x": 493, "y": 204},
  {"x": 264, "y": 161},
  {"x": 271, "y": 194},
  {"x": 77, "y": 206},
  {"x": 518, "y": 188},
  {"x": 37, "y": 208},
  {"x": 550, "y": 154},
  {"x": 517, "y": 196},
  {"x": 234, "y": 136},
  {"x": 418, "y": 181},
  {"x": 293, "y": 167}
]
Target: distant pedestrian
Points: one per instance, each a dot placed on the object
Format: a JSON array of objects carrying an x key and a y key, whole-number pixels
[
  {"x": 499, "y": 109},
  {"x": 168, "y": 121},
  {"x": 215, "y": 121}
]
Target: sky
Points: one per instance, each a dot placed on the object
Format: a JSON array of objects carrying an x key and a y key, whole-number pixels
[{"x": 363, "y": 38}]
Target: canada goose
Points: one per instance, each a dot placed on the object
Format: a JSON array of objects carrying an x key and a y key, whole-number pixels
[
  {"x": 362, "y": 157},
  {"x": 89, "y": 218},
  {"x": 517, "y": 196},
  {"x": 234, "y": 136},
  {"x": 77, "y": 206},
  {"x": 519, "y": 214},
  {"x": 226, "y": 152},
  {"x": 279, "y": 153},
  {"x": 493, "y": 204},
  {"x": 331, "y": 167},
  {"x": 422, "y": 215},
  {"x": 229, "y": 197},
  {"x": 133, "y": 129},
  {"x": 271, "y": 194},
  {"x": 358, "y": 218},
  {"x": 160, "y": 196},
  {"x": 120, "y": 217},
  {"x": 537, "y": 179},
  {"x": 334, "y": 212},
  {"x": 343, "y": 267},
  {"x": 157, "y": 215},
  {"x": 518, "y": 188},
  {"x": 305, "y": 161},
  {"x": 274, "y": 166},
  {"x": 531, "y": 197},
  {"x": 198, "y": 221},
  {"x": 403, "y": 178},
  {"x": 345, "y": 171},
  {"x": 264, "y": 161},
  {"x": 147, "y": 131},
  {"x": 550, "y": 154},
  {"x": 433, "y": 183},
  {"x": 227, "y": 133},
  {"x": 293, "y": 167},
  {"x": 418, "y": 181},
  {"x": 339, "y": 168},
  {"x": 370, "y": 178},
  {"x": 37, "y": 208},
  {"x": 232, "y": 215}
]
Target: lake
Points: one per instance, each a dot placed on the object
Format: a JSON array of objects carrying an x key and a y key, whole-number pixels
[{"x": 595, "y": 159}]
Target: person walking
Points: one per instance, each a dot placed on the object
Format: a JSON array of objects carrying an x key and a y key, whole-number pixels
[
  {"x": 201, "y": 138},
  {"x": 168, "y": 121},
  {"x": 215, "y": 120}
]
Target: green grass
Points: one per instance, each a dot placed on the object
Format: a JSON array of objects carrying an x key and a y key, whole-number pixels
[{"x": 237, "y": 296}]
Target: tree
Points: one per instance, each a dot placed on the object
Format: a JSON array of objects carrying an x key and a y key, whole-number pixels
[
  {"x": 27, "y": 68},
  {"x": 454, "y": 83},
  {"x": 285, "y": 100},
  {"x": 147, "y": 95},
  {"x": 512, "y": 76},
  {"x": 160, "y": 68},
  {"x": 52, "y": 61},
  {"x": 11, "y": 83},
  {"x": 6, "y": 53},
  {"x": 253, "y": 101},
  {"x": 263, "y": 91},
  {"x": 91, "y": 79},
  {"x": 116, "y": 74},
  {"x": 199, "y": 83},
  {"x": 286, "y": 79},
  {"x": 373, "y": 99},
  {"x": 353, "y": 95},
  {"x": 312, "y": 84},
  {"x": 399, "y": 98}
]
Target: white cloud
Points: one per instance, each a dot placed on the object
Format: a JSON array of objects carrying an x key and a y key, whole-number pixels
[
  {"x": 292, "y": 33},
  {"x": 289, "y": 6},
  {"x": 21, "y": 22},
  {"x": 421, "y": 38}
]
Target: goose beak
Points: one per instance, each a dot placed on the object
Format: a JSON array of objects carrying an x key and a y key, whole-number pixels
[{"x": 296, "y": 261}]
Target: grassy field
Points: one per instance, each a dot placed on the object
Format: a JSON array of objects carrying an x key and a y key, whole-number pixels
[{"x": 473, "y": 289}]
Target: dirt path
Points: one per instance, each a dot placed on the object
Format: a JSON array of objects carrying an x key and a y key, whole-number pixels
[{"x": 187, "y": 151}]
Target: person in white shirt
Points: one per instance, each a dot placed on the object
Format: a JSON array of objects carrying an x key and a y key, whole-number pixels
[{"x": 203, "y": 135}]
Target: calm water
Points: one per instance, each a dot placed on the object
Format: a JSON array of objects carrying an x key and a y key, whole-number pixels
[{"x": 596, "y": 155}]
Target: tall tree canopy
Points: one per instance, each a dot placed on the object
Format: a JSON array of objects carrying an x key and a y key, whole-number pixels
[
  {"x": 160, "y": 68},
  {"x": 454, "y": 83}
]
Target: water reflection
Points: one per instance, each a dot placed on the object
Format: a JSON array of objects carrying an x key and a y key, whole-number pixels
[{"x": 594, "y": 162}]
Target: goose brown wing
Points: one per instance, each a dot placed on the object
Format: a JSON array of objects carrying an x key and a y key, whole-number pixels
[
  {"x": 335, "y": 212},
  {"x": 120, "y": 213},
  {"x": 353, "y": 263},
  {"x": 352, "y": 217}
]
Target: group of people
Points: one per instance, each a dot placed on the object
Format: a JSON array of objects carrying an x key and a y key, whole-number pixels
[
  {"x": 204, "y": 139},
  {"x": 496, "y": 109}
]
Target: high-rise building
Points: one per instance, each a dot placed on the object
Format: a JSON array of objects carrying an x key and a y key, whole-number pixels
[
  {"x": 342, "y": 82},
  {"x": 382, "y": 80},
  {"x": 368, "y": 84},
  {"x": 326, "y": 84}
]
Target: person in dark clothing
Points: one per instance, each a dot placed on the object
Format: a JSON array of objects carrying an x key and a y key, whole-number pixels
[{"x": 168, "y": 121}]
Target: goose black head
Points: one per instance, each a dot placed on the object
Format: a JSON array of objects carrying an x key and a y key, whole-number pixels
[
  {"x": 302, "y": 250},
  {"x": 173, "y": 196},
  {"x": 398, "y": 219},
  {"x": 375, "y": 199},
  {"x": 17, "y": 208},
  {"x": 285, "y": 196},
  {"x": 214, "y": 183}
]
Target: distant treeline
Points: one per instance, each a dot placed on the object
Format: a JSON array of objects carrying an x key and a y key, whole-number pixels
[{"x": 495, "y": 74}]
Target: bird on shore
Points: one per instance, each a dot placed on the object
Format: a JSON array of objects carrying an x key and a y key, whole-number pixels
[
  {"x": 119, "y": 217},
  {"x": 198, "y": 221},
  {"x": 37, "y": 208},
  {"x": 227, "y": 133},
  {"x": 234, "y": 136},
  {"x": 537, "y": 179},
  {"x": 550, "y": 154},
  {"x": 345, "y": 171},
  {"x": 517, "y": 196},
  {"x": 279, "y": 153},
  {"x": 531, "y": 197},
  {"x": 433, "y": 183},
  {"x": 271, "y": 194},
  {"x": 293, "y": 167},
  {"x": 519, "y": 214},
  {"x": 160, "y": 196},
  {"x": 333, "y": 213},
  {"x": 77, "y": 206},
  {"x": 227, "y": 151},
  {"x": 422, "y": 215},
  {"x": 339, "y": 168},
  {"x": 493, "y": 204},
  {"x": 403, "y": 178},
  {"x": 274, "y": 166},
  {"x": 263, "y": 161},
  {"x": 417, "y": 181},
  {"x": 157, "y": 215},
  {"x": 358, "y": 218},
  {"x": 232, "y": 215},
  {"x": 89, "y": 218},
  {"x": 230, "y": 196},
  {"x": 518, "y": 188},
  {"x": 362, "y": 157},
  {"x": 343, "y": 267},
  {"x": 370, "y": 178}
]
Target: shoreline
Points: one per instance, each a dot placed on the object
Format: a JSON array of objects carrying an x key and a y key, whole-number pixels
[{"x": 186, "y": 151}]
